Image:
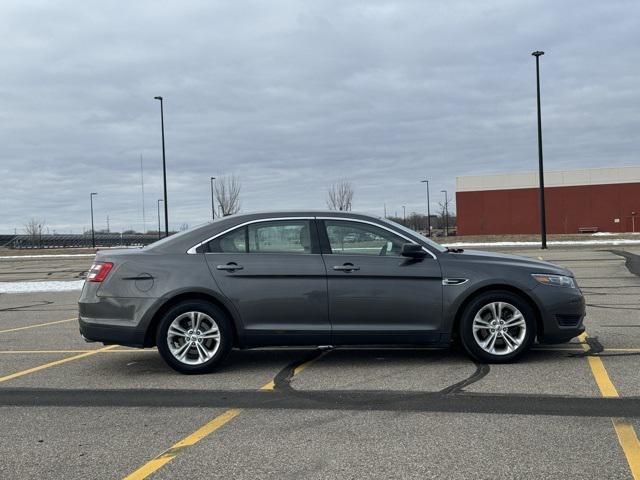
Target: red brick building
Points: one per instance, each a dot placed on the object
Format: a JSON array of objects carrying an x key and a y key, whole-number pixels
[{"x": 604, "y": 198}]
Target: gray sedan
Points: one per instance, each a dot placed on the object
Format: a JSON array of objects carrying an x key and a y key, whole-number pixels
[{"x": 331, "y": 278}]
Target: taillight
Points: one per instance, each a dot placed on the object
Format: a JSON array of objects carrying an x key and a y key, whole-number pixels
[{"x": 99, "y": 271}]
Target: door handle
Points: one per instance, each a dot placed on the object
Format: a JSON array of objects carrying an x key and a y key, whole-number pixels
[
  {"x": 347, "y": 267},
  {"x": 230, "y": 267}
]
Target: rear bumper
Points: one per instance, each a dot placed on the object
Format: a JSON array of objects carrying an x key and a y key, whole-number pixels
[
  {"x": 112, "y": 320},
  {"x": 111, "y": 334},
  {"x": 563, "y": 312}
]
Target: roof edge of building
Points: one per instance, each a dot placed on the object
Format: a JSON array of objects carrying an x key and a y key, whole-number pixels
[{"x": 559, "y": 178}]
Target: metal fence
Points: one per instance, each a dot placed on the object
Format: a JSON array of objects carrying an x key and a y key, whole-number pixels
[{"x": 76, "y": 240}]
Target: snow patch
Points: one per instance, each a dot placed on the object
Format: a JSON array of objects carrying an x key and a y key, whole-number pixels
[
  {"x": 31, "y": 287},
  {"x": 59, "y": 255},
  {"x": 536, "y": 244}
]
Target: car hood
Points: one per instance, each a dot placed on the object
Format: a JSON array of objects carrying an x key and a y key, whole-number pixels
[{"x": 514, "y": 260}]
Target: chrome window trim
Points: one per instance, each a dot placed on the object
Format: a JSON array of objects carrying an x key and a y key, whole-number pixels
[
  {"x": 384, "y": 227},
  {"x": 192, "y": 250}
]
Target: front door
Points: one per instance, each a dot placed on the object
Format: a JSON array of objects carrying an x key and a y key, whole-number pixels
[
  {"x": 377, "y": 296},
  {"x": 273, "y": 273}
]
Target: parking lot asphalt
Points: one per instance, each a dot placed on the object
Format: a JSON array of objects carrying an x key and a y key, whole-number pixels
[{"x": 70, "y": 409}]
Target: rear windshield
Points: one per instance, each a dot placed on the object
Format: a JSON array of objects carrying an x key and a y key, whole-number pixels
[{"x": 175, "y": 236}]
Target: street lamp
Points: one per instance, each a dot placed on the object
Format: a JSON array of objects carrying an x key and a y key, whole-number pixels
[
  {"x": 446, "y": 213},
  {"x": 543, "y": 217},
  {"x": 159, "y": 234},
  {"x": 428, "y": 209},
  {"x": 213, "y": 206},
  {"x": 164, "y": 169},
  {"x": 93, "y": 234},
  {"x": 404, "y": 215}
]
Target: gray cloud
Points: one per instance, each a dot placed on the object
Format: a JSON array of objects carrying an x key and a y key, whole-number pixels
[{"x": 292, "y": 97}]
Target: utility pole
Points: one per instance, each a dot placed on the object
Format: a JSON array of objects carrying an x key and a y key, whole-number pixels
[
  {"x": 159, "y": 234},
  {"x": 428, "y": 209},
  {"x": 543, "y": 216},
  {"x": 213, "y": 205},
  {"x": 144, "y": 219},
  {"x": 164, "y": 169},
  {"x": 93, "y": 233}
]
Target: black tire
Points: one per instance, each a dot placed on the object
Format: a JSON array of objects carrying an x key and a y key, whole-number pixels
[
  {"x": 481, "y": 303},
  {"x": 203, "y": 307}
]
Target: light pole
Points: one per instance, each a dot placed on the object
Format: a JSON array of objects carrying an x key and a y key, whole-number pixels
[
  {"x": 446, "y": 213},
  {"x": 164, "y": 169},
  {"x": 428, "y": 209},
  {"x": 93, "y": 234},
  {"x": 543, "y": 216},
  {"x": 159, "y": 234},
  {"x": 404, "y": 215},
  {"x": 213, "y": 206}
]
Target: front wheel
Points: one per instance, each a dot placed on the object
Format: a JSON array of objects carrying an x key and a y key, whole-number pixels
[
  {"x": 194, "y": 337},
  {"x": 497, "y": 327}
]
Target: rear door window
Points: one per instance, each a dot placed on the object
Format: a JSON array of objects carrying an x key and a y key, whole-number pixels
[
  {"x": 277, "y": 236},
  {"x": 290, "y": 236}
]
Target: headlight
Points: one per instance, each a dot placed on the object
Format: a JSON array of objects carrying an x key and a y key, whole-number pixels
[{"x": 555, "y": 280}]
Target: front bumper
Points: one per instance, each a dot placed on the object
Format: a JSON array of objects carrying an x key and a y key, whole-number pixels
[{"x": 562, "y": 311}]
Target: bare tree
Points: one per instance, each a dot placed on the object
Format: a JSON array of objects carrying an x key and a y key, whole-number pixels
[
  {"x": 444, "y": 216},
  {"x": 340, "y": 196},
  {"x": 183, "y": 227},
  {"x": 227, "y": 192},
  {"x": 34, "y": 228}
]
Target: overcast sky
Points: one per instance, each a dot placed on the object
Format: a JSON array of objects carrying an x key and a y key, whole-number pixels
[{"x": 293, "y": 96}]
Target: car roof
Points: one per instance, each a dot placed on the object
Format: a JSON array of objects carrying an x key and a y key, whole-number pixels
[
  {"x": 302, "y": 213},
  {"x": 182, "y": 241}
]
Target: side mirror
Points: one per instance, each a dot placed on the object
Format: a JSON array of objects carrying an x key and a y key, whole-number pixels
[{"x": 413, "y": 250}]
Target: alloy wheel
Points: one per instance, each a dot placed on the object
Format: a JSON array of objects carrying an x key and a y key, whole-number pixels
[
  {"x": 193, "y": 338},
  {"x": 499, "y": 328}
]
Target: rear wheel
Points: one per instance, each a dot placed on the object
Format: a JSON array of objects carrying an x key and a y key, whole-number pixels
[
  {"x": 194, "y": 337},
  {"x": 497, "y": 327}
]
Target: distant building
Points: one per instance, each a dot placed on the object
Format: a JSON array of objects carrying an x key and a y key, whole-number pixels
[{"x": 602, "y": 199}]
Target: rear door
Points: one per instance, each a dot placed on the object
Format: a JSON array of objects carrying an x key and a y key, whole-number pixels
[
  {"x": 273, "y": 273},
  {"x": 376, "y": 295}
]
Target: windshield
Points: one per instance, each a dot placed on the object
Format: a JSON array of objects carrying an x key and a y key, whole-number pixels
[{"x": 422, "y": 238}]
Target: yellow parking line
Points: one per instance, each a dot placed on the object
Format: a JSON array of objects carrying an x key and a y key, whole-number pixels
[
  {"x": 165, "y": 457},
  {"x": 301, "y": 367},
  {"x": 43, "y": 351},
  {"x": 168, "y": 455},
  {"x": 268, "y": 386},
  {"x": 114, "y": 350},
  {"x": 129, "y": 350},
  {"x": 37, "y": 325},
  {"x": 627, "y": 436},
  {"x": 556, "y": 349},
  {"x": 52, "y": 364},
  {"x": 579, "y": 349},
  {"x": 630, "y": 444}
]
